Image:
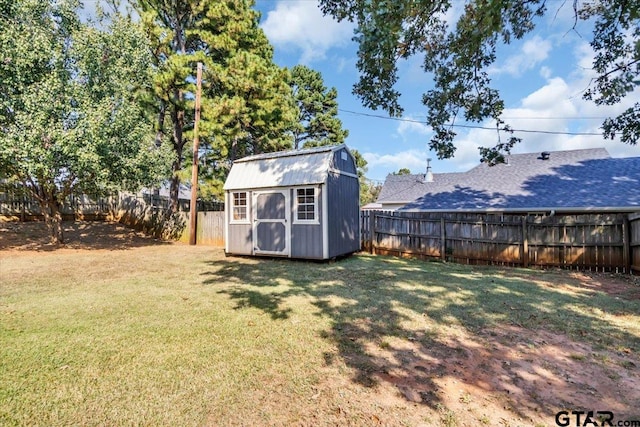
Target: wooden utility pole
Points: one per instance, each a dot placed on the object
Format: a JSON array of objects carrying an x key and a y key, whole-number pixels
[{"x": 193, "y": 211}]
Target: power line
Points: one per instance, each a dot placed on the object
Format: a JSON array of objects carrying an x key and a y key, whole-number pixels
[{"x": 402, "y": 119}]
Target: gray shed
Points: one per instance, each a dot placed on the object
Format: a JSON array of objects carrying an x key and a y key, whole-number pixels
[{"x": 297, "y": 204}]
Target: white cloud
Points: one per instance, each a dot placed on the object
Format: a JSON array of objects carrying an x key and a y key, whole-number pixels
[
  {"x": 545, "y": 72},
  {"x": 414, "y": 160},
  {"x": 534, "y": 51},
  {"x": 300, "y": 25},
  {"x": 413, "y": 126},
  {"x": 556, "y": 107},
  {"x": 553, "y": 99},
  {"x": 453, "y": 14},
  {"x": 564, "y": 64}
]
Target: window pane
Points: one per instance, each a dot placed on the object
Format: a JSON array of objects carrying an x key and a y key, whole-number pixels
[
  {"x": 306, "y": 204},
  {"x": 239, "y": 213},
  {"x": 240, "y": 206},
  {"x": 240, "y": 199}
]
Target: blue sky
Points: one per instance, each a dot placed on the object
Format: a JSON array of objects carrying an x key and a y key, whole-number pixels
[{"x": 541, "y": 79}]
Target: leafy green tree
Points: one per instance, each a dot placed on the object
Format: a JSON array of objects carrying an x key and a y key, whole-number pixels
[
  {"x": 70, "y": 117},
  {"x": 318, "y": 122},
  {"x": 402, "y": 171},
  {"x": 459, "y": 58},
  {"x": 369, "y": 191},
  {"x": 246, "y": 102}
]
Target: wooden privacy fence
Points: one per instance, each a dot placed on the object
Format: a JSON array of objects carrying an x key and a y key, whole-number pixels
[
  {"x": 15, "y": 201},
  {"x": 600, "y": 242},
  {"x": 147, "y": 213},
  {"x": 634, "y": 242},
  {"x": 209, "y": 228}
]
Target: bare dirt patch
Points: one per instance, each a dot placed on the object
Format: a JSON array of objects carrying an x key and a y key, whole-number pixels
[
  {"x": 85, "y": 235},
  {"x": 623, "y": 286},
  {"x": 511, "y": 376}
]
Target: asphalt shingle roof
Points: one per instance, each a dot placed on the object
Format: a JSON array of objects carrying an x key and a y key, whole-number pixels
[{"x": 568, "y": 179}]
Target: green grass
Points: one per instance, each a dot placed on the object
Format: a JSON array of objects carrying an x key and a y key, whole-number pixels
[{"x": 179, "y": 335}]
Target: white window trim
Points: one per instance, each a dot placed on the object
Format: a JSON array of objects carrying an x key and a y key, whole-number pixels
[
  {"x": 232, "y": 198},
  {"x": 316, "y": 218}
]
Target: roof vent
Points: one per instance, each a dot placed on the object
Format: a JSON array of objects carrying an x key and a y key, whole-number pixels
[
  {"x": 545, "y": 155},
  {"x": 429, "y": 176}
]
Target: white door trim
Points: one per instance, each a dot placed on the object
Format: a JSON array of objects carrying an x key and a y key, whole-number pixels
[{"x": 286, "y": 222}]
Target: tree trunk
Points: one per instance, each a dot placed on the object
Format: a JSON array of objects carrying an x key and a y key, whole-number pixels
[
  {"x": 177, "y": 117},
  {"x": 178, "y": 146},
  {"x": 53, "y": 219},
  {"x": 160, "y": 124},
  {"x": 174, "y": 189},
  {"x": 233, "y": 153}
]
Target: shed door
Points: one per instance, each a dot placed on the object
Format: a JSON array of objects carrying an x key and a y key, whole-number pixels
[{"x": 271, "y": 227}]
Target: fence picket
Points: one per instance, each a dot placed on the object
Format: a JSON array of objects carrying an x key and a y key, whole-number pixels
[{"x": 591, "y": 241}]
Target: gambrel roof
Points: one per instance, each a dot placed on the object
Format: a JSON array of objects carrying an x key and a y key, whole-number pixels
[
  {"x": 577, "y": 179},
  {"x": 284, "y": 168}
]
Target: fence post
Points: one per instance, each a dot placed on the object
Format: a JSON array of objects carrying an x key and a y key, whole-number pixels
[
  {"x": 443, "y": 244},
  {"x": 23, "y": 208},
  {"x": 525, "y": 242},
  {"x": 372, "y": 231},
  {"x": 626, "y": 244}
]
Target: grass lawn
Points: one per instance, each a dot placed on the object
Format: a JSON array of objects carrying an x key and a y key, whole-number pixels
[{"x": 151, "y": 333}]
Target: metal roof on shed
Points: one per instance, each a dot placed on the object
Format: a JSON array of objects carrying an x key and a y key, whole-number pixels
[{"x": 282, "y": 169}]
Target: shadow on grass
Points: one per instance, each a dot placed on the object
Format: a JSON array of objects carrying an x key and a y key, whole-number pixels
[
  {"x": 86, "y": 235},
  {"x": 390, "y": 316}
]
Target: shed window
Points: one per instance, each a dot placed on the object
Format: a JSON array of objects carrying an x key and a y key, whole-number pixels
[
  {"x": 240, "y": 206},
  {"x": 306, "y": 204}
]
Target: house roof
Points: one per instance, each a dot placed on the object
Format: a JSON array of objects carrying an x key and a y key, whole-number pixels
[
  {"x": 282, "y": 169},
  {"x": 371, "y": 206},
  {"x": 184, "y": 191},
  {"x": 407, "y": 188},
  {"x": 568, "y": 179}
]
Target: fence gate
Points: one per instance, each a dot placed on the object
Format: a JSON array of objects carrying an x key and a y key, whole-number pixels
[{"x": 271, "y": 228}]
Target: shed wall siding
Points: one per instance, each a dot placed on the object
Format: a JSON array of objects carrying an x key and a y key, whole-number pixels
[
  {"x": 347, "y": 165},
  {"x": 240, "y": 238},
  {"x": 306, "y": 239},
  {"x": 344, "y": 215}
]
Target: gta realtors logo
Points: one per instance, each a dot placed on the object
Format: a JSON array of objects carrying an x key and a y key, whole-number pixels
[{"x": 590, "y": 418}]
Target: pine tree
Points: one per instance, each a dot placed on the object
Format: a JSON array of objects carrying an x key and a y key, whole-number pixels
[
  {"x": 246, "y": 103},
  {"x": 318, "y": 122}
]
